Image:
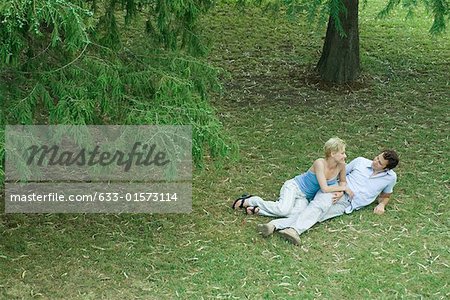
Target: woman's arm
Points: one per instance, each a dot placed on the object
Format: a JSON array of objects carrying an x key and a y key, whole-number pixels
[
  {"x": 319, "y": 169},
  {"x": 343, "y": 181},
  {"x": 342, "y": 173}
]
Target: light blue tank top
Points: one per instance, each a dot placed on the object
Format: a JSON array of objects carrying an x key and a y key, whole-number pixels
[{"x": 308, "y": 184}]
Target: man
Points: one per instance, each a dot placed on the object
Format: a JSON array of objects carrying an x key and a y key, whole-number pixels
[{"x": 366, "y": 179}]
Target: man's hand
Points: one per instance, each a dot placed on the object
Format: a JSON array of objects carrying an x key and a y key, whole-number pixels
[
  {"x": 336, "y": 196},
  {"x": 349, "y": 192},
  {"x": 379, "y": 209}
]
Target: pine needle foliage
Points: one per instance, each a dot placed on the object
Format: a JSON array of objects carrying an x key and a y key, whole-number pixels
[
  {"x": 109, "y": 62},
  {"x": 320, "y": 9},
  {"x": 439, "y": 9}
]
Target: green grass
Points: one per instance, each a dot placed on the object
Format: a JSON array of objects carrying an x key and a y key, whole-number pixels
[{"x": 280, "y": 114}]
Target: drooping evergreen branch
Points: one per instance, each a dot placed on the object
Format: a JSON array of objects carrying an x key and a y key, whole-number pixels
[
  {"x": 318, "y": 9},
  {"x": 59, "y": 70}
]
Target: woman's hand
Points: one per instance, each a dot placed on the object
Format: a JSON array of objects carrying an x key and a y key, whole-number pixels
[{"x": 336, "y": 196}]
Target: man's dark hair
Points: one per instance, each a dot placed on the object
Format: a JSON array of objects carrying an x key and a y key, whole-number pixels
[{"x": 392, "y": 158}]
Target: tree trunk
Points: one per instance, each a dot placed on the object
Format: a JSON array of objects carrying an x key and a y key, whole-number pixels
[{"x": 339, "y": 62}]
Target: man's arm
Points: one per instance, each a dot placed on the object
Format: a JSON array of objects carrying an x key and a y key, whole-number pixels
[{"x": 383, "y": 200}]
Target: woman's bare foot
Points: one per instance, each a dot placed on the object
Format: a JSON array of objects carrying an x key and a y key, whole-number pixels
[
  {"x": 241, "y": 202},
  {"x": 251, "y": 210}
]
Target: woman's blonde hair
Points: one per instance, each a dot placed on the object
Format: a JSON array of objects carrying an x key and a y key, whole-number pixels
[{"x": 334, "y": 144}]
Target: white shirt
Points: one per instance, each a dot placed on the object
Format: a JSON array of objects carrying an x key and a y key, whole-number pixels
[{"x": 366, "y": 186}]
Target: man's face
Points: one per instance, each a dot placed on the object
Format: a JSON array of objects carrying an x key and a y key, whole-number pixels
[{"x": 379, "y": 163}]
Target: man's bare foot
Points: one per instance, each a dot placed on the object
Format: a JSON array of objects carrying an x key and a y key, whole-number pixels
[
  {"x": 266, "y": 229},
  {"x": 291, "y": 235}
]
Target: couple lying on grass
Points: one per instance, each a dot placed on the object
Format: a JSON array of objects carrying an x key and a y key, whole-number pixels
[{"x": 328, "y": 189}]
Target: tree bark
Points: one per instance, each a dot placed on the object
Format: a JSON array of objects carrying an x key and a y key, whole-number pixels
[{"x": 339, "y": 62}]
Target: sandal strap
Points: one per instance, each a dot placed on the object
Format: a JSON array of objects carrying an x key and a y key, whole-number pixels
[{"x": 242, "y": 199}]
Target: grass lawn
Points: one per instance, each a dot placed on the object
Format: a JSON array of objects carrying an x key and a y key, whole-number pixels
[{"x": 280, "y": 115}]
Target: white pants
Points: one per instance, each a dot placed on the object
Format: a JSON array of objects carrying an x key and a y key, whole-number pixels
[
  {"x": 292, "y": 201},
  {"x": 321, "y": 208}
]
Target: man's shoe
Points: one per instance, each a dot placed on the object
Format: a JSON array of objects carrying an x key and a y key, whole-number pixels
[
  {"x": 266, "y": 229},
  {"x": 291, "y": 235}
]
